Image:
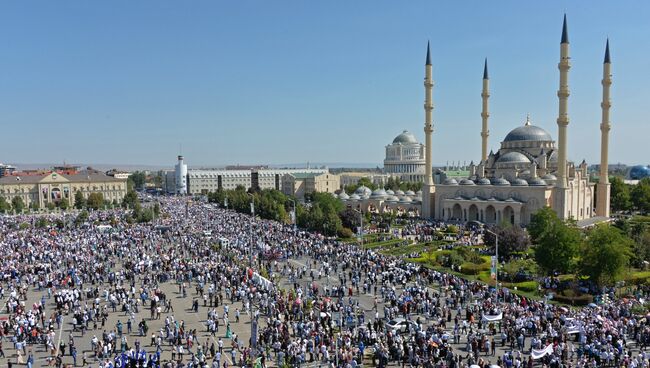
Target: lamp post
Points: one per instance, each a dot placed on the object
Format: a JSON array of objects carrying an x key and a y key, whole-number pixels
[
  {"x": 250, "y": 258},
  {"x": 293, "y": 213},
  {"x": 496, "y": 255},
  {"x": 360, "y": 225}
]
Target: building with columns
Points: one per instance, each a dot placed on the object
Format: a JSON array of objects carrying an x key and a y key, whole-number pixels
[
  {"x": 405, "y": 158},
  {"x": 530, "y": 170}
]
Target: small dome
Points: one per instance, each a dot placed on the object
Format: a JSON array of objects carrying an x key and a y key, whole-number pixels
[
  {"x": 344, "y": 196},
  {"x": 553, "y": 157},
  {"x": 519, "y": 182},
  {"x": 355, "y": 197},
  {"x": 399, "y": 193},
  {"x": 500, "y": 182},
  {"x": 405, "y": 138},
  {"x": 536, "y": 182},
  {"x": 335, "y": 195},
  {"x": 363, "y": 191},
  {"x": 405, "y": 200},
  {"x": 549, "y": 177},
  {"x": 378, "y": 193},
  {"x": 466, "y": 182},
  {"x": 418, "y": 193},
  {"x": 483, "y": 181},
  {"x": 528, "y": 133},
  {"x": 450, "y": 181},
  {"x": 410, "y": 193},
  {"x": 513, "y": 158},
  {"x": 390, "y": 192},
  {"x": 392, "y": 199}
]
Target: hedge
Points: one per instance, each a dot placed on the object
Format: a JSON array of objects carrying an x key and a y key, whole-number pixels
[
  {"x": 572, "y": 298},
  {"x": 469, "y": 268}
]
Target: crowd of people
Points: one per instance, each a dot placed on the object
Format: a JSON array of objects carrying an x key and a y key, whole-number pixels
[{"x": 306, "y": 300}]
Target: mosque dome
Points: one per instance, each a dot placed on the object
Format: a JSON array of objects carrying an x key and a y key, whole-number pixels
[
  {"x": 450, "y": 181},
  {"x": 500, "y": 182},
  {"x": 363, "y": 191},
  {"x": 518, "y": 182},
  {"x": 483, "y": 181},
  {"x": 405, "y": 200},
  {"x": 399, "y": 193},
  {"x": 528, "y": 133},
  {"x": 410, "y": 193},
  {"x": 513, "y": 157},
  {"x": 405, "y": 137},
  {"x": 390, "y": 192},
  {"x": 536, "y": 182},
  {"x": 466, "y": 182},
  {"x": 355, "y": 197},
  {"x": 549, "y": 177},
  {"x": 378, "y": 193},
  {"x": 392, "y": 199},
  {"x": 344, "y": 196}
]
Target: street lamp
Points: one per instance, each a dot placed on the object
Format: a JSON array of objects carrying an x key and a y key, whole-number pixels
[
  {"x": 496, "y": 255},
  {"x": 293, "y": 213},
  {"x": 250, "y": 258},
  {"x": 361, "y": 225}
]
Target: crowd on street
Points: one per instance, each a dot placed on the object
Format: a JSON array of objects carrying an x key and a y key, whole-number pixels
[{"x": 225, "y": 289}]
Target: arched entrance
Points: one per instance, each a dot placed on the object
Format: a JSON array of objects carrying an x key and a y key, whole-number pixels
[
  {"x": 473, "y": 213},
  {"x": 457, "y": 212},
  {"x": 509, "y": 215},
  {"x": 490, "y": 215}
]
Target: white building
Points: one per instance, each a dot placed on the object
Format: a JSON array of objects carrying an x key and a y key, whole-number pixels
[
  {"x": 181, "y": 177},
  {"x": 405, "y": 158}
]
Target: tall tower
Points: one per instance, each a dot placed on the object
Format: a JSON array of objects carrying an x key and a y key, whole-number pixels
[
  {"x": 485, "y": 133},
  {"x": 603, "y": 187},
  {"x": 428, "y": 188},
  {"x": 563, "y": 115}
]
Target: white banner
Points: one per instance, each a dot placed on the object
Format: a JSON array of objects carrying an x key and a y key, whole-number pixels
[
  {"x": 493, "y": 318},
  {"x": 537, "y": 354}
]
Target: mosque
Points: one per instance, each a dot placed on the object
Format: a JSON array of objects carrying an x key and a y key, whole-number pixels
[{"x": 529, "y": 171}]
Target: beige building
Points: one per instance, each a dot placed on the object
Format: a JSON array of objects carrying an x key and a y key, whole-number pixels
[
  {"x": 55, "y": 187},
  {"x": 300, "y": 184},
  {"x": 352, "y": 178},
  {"x": 529, "y": 171}
]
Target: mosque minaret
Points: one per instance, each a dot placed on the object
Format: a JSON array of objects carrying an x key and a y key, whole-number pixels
[
  {"x": 563, "y": 115},
  {"x": 603, "y": 187},
  {"x": 485, "y": 95},
  {"x": 428, "y": 187}
]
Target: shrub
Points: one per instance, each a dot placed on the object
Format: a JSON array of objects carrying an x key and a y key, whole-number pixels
[
  {"x": 527, "y": 286},
  {"x": 469, "y": 255},
  {"x": 345, "y": 233},
  {"x": 469, "y": 268},
  {"x": 569, "y": 296}
]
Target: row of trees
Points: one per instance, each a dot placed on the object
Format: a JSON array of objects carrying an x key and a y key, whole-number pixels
[
  {"x": 323, "y": 213},
  {"x": 601, "y": 253},
  {"x": 625, "y": 197}
]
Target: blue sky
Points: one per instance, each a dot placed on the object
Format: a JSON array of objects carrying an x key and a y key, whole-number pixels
[{"x": 274, "y": 82}]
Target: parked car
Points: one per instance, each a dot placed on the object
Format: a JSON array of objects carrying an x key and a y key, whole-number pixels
[{"x": 401, "y": 326}]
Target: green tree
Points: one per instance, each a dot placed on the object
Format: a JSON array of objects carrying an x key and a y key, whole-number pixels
[
  {"x": 620, "y": 199},
  {"x": 139, "y": 179},
  {"x": 605, "y": 254},
  {"x": 557, "y": 243},
  {"x": 95, "y": 200},
  {"x": 17, "y": 204},
  {"x": 640, "y": 195},
  {"x": 4, "y": 205},
  {"x": 79, "y": 200},
  {"x": 50, "y": 206},
  {"x": 156, "y": 209},
  {"x": 64, "y": 204},
  {"x": 130, "y": 199},
  {"x": 512, "y": 240},
  {"x": 81, "y": 217}
]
